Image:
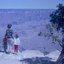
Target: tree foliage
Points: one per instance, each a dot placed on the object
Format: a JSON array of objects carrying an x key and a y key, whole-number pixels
[
  {"x": 57, "y": 17},
  {"x": 56, "y": 24}
]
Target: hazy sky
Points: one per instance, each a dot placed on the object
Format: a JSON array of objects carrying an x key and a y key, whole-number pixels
[{"x": 29, "y": 4}]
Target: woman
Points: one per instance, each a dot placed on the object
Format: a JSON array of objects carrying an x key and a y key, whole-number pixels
[{"x": 9, "y": 35}]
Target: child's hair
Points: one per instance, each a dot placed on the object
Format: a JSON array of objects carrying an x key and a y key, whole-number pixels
[{"x": 16, "y": 36}]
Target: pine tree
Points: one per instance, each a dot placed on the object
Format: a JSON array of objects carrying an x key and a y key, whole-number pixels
[{"x": 57, "y": 18}]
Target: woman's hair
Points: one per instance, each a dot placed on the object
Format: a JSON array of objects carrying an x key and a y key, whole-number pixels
[{"x": 9, "y": 25}]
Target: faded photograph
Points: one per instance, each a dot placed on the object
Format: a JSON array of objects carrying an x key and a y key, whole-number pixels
[{"x": 31, "y": 31}]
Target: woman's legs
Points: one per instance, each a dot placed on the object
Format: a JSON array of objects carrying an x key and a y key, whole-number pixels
[{"x": 9, "y": 44}]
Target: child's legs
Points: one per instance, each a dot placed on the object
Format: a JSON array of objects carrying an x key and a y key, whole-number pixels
[{"x": 16, "y": 48}]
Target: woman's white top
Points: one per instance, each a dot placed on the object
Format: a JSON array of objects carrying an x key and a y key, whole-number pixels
[{"x": 16, "y": 41}]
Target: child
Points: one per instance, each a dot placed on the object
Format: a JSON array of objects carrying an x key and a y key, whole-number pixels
[
  {"x": 5, "y": 44},
  {"x": 16, "y": 44}
]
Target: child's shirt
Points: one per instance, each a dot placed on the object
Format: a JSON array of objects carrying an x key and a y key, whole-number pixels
[{"x": 16, "y": 41}]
